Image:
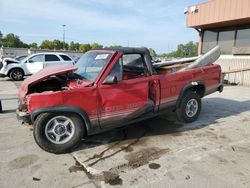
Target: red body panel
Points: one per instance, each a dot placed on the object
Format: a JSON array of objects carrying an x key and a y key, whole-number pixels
[
  {"x": 126, "y": 100},
  {"x": 85, "y": 98}
]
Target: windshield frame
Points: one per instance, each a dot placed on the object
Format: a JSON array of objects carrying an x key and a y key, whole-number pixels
[{"x": 111, "y": 52}]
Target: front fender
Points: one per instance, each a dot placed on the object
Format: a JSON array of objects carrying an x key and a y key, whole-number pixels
[
  {"x": 12, "y": 66},
  {"x": 61, "y": 109}
]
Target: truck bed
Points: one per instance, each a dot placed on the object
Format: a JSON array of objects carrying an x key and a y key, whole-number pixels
[{"x": 172, "y": 83}]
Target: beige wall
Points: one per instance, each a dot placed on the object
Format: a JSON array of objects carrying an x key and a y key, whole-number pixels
[
  {"x": 219, "y": 13},
  {"x": 236, "y": 68}
]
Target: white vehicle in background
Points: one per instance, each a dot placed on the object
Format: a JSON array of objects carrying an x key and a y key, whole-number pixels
[{"x": 16, "y": 70}]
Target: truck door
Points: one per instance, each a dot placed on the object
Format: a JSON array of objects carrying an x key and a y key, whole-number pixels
[
  {"x": 35, "y": 63},
  {"x": 124, "y": 94}
]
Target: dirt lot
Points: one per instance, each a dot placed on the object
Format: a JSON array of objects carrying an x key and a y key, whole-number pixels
[{"x": 161, "y": 152}]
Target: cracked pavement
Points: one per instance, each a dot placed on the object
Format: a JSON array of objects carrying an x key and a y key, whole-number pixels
[{"x": 161, "y": 152}]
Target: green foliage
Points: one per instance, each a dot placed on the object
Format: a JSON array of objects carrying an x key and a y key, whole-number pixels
[
  {"x": 57, "y": 44},
  {"x": 33, "y": 45},
  {"x": 46, "y": 44},
  {"x": 184, "y": 50},
  {"x": 96, "y": 46},
  {"x": 74, "y": 46},
  {"x": 11, "y": 40},
  {"x": 52, "y": 45},
  {"x": 84, "y": 47}
]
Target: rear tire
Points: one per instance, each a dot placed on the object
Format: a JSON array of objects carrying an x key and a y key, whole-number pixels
[
  {"x": 16, "y": 74},
  {"x": 58, "y": 133},
  {"x": 189, "y": 108}
]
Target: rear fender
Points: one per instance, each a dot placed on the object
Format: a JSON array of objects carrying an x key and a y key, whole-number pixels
[{"x": 197, "y": 86}]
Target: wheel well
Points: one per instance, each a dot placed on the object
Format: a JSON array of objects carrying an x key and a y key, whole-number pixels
[
  {"x": 15, "y": 69},
  {"x": 83, "y": 121},
  {"x": 60, "y": 112},
  {"x": 199, "y": 89}
]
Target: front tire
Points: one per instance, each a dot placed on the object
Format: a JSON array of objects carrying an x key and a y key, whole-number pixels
[
  {"x": 58, "y": 133},
  {"x": 16, "y": 74},
  {"x": 190, "y": 107}
]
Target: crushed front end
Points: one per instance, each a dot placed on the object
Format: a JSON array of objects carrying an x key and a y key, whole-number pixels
[{"x": 45, "y": 89}]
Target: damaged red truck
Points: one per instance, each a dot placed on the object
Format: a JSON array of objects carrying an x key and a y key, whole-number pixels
[{"x": 108, "y": 88}]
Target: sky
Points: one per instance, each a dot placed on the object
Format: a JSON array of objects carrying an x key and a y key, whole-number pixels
[{"x": 158, "y": 24}]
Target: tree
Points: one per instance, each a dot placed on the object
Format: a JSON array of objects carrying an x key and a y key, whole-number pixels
[
  {"x": 96, "y": 46},
  {"x": 33, "y": 45},
  {"x": 53, "y": 45},
  {"x": 46, "y": 44},
  {"x": 66, "y": 46},
  {"x": 74, "y": 46},
  {"x": 11, "y": 40},
  {"x": 184, "y": 50},
  {"x": 84, "y": 47},
  {"x": 57, "y": 44}
]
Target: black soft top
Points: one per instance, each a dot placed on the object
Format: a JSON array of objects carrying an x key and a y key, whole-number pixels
[
  {"x": 143, "y": 51},
  {"x": 130, "y": 50}
]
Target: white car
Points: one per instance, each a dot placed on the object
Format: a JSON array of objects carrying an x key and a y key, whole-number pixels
[{"x": 16, "y": 70}]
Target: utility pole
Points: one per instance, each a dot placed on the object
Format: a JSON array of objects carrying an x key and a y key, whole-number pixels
[{"x": 63, "y": 36}]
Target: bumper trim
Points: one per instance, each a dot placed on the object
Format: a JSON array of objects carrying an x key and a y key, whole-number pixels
[{"x": 23, "y": 116}]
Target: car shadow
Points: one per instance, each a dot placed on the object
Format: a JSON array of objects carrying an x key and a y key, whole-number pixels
[{"x": 214, "y": 110}]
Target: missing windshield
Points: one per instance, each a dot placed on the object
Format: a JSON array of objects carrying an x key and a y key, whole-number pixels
[{"x": 91, "y": 64}]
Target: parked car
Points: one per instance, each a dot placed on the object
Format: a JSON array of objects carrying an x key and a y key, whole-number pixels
[
  {"x": 7, "y": 60},
  {"x": 108, "y": 88},
  {"x": 16, "y": 70}
]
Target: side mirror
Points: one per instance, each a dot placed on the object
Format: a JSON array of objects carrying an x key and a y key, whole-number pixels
[{"x": 110, "y": 80}]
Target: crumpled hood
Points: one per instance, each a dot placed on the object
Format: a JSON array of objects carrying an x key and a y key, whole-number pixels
[
  {"x": 10, "y": 60},
  {"x": 42, "y": 75}
]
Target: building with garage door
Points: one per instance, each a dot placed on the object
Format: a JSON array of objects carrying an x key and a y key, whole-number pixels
[{"x": 225, "y": 23}]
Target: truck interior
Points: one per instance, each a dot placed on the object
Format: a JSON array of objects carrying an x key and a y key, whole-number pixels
[
  {"x": 133, "y": 66},
  {"x": 171, "y": 68}
]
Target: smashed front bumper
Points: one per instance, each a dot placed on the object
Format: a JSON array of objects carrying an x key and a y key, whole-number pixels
[{"x": 23, "y": 116}]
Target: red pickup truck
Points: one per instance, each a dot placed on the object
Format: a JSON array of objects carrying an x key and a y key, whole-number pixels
[{"x": 105, "y": 89}]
